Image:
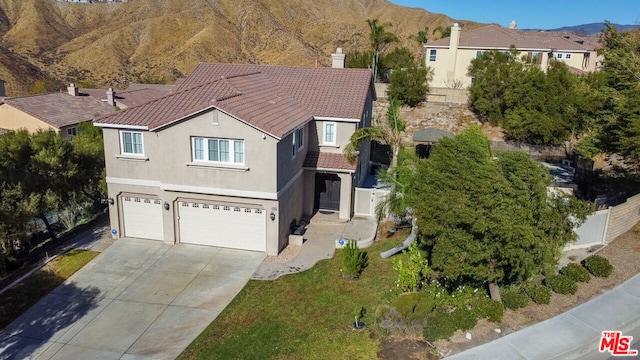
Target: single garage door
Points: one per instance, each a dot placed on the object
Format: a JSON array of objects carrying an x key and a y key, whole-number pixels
[
  {"x": 142, "y": 217},
  {"x": 230, "y": 226}
]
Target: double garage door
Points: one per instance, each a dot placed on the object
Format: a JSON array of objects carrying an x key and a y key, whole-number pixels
[{"x": 231, "y": 226}]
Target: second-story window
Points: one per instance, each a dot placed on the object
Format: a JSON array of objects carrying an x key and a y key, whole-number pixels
[
  {"x": 131, "y": 143},
  {"x": 300, "y": 137},
  {"x": 72, "y": 131},
  {"x": 218, "y": 150},
  {"x": 432, "y": 55},
  {"x": 329, "y": 133}
]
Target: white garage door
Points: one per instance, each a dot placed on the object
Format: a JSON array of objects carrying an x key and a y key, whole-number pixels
[
  {"x": 234, "y": 227},
  {"x": 142, "y": 217}
]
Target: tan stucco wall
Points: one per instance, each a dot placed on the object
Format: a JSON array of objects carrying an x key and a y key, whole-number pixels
[
  {"x": 343, "y": 136},
  {"x": 169, "y": 156},
  {"x": 14, "y": 119},
  {"x": 291, "y": 208},
  {"x": 288, "y": 166}
]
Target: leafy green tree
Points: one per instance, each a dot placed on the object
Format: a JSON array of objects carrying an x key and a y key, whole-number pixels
[
  {"x": 410, "y": 85},
  {"x": 380, "y": 40},
  {"x": 421, "y": 38},
  {"x": 88, "y": 150},
  {"x": 359, "y": 60},
  {"x": 43, "y": 86},
  {"x": 489, "y": 221},
  {"x": 397, "y": 59}
]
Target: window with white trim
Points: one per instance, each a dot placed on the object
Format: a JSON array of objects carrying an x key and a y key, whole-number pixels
[
  {"x": 479, "y": 53},
  {"x": 432, "y": 55},
  {"x": 297, "y": 141},
  {"x": 329, "y": 133},
  {"x": 227, "y": 151},
  {"x": 559, "y": 56},
  {"x": 567, "y": 56},
  {"x": 300, "y": 137},
  {"x": 131, "y": 143},
  {"x": 72, "y": 131}
]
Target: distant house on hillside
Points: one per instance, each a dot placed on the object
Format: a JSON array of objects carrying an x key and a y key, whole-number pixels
[{"x": 450, "y": 57}]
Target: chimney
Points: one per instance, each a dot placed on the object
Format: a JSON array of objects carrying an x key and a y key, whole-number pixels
[
  {"x": 513, "y": 25},
  {"x": 111, "y": 97},
  {"x": 454, "y": 40},
  {"x": 2, "y": 92},
  {"x": 338, "y": 59},
  {"x": 72, "y": 89}
]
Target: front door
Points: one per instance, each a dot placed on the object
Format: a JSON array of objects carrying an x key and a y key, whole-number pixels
[{"x": 327, "y": 192}]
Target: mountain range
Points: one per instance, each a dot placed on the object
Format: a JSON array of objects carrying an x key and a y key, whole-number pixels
[
  {"x": 590, "y": 29},
  {"x": 112, "y": 44}
]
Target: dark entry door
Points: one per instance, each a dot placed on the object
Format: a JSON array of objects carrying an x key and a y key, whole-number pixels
[{"x": 327, "y": 192}]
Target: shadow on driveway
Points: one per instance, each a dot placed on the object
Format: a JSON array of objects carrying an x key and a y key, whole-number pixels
[{"x": 46, "y": 321}]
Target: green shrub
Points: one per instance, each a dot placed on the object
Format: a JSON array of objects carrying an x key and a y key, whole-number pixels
[
  {"x": 513, "y": 298},
  {"x": 463, "y": 318},
  {"x": 540, "y": 294},
  {"x": 488, "y": 308},
  {"x": 353, "y": 260},
  {"x": 439, "y": 325},
  {"x": 576, "y": 272},
  {"x": 414, "y": 306},
  {"x": 598, "y": 266},
  {"x": 561, "y": 284},
  {"x": 412, "y": 269}
]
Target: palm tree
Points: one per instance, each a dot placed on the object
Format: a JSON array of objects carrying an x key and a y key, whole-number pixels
[
  {"x": 380, "y": 40},
  {"x": 388, "y": 133},
  {"x": 422, "y": 39}
]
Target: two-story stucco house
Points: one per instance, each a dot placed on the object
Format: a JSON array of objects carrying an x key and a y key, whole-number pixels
[
  {"x": 236, "y": 154},
  {"x": 450, "y": 57}
]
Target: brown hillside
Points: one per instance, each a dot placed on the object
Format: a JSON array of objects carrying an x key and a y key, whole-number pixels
[{"x": 159, "y": 40}]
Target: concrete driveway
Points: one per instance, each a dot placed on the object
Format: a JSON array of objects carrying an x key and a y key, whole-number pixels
[{"x": 139, "y": 299}]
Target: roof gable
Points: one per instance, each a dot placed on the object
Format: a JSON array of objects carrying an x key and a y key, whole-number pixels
[
  {"x": 252, "y": 98},
  {"x": 275, "y": 99}
]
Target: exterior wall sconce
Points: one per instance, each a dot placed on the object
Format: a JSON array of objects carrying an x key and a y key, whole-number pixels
[
  {"x": 111, "y": 201},
  {"x": 166, "y": 205},
  {"x": 272, "y": 216}
]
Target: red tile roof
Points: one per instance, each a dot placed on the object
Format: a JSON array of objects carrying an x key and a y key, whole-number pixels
[
  {"x": 252, "y": 98},
  {"x": 275, "y": 99},
  {"x": 61, "y": 109},
  {"x": 497, "y": 37},
  {"x": 327, "y": 161},
  {"x": 127, "y": 98},
  {"x": 326, "y": 92}
]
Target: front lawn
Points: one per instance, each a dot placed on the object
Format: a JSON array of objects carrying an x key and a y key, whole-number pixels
[
  {"x": 21, "y": 297},
  {"x": 308, "y": 315}
]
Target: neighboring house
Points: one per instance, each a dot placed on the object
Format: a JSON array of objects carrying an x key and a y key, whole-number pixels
[
  {"x": 61, "y": 112},
  {"x": 237, "y": 155},
  {"x": 450, "y": 57}
]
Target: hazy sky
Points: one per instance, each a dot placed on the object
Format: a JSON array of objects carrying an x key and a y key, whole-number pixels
[{"x": 541, "y": 14}]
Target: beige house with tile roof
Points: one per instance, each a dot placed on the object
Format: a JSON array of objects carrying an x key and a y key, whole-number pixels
[
  {"x": 450, "y": 57},
  {"x": 237, "y": 154},
  {"x": 61, "y": 112}
]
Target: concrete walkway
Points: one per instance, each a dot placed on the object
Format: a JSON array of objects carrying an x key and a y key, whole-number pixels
[
  {"x": 320, "y": 243},
  {"x": 139, "y": 299},
  {"x": 574, "y": 334}
]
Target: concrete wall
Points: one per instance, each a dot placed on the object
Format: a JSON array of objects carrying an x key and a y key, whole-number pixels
[
  {"x": 448, "y": 96},
  {"x": 535, "y": 151},
  {"x": 623, "y": 217}
]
